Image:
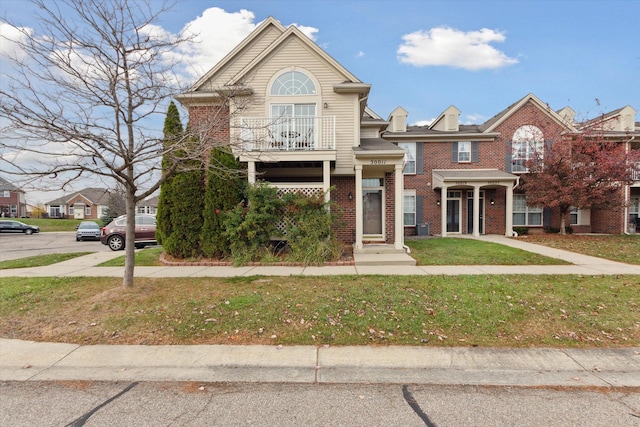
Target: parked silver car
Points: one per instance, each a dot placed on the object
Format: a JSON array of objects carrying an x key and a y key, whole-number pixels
[{"x": 88, "y": 230}]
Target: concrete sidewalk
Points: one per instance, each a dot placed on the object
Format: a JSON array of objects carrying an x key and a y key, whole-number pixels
[{"x": 608, "y": 368}]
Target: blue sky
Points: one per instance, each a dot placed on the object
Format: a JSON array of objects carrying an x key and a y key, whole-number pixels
[
  {"x": 480, "y": 56},
  {"x": 565, "y": 52}
]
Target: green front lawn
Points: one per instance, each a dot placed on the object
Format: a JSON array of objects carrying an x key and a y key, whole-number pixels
[
  {"x": 456, "y": 251},
  {"x": 54, "y": 224},
  {"x": 488, "y": 311}
]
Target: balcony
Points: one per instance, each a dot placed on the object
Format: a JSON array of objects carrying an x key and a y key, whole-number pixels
[
  {"x": 636, "y": 172},
  {"x": 287, "y": 134}
]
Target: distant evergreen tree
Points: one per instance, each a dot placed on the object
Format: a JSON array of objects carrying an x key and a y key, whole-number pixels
[
  {"x": 224, "y": 191},
  {"x": 173, "y": 132}
]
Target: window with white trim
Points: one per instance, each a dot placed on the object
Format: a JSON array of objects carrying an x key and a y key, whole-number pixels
[
  {"x": 87, "y": 210},
  {"x": 574, "y": 216},
  {"x": 464, "y": 151},
  {"x": 528, "y": 141},
  {"x": 409, "y": 208},
  {"x": 524, "y": 215},
  {"x": 634, "y": 209},
  {"x": 410, "y": 157}
]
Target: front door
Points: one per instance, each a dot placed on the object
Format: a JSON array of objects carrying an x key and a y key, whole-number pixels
[
  {"x": 453, "y": 211},
  {"x": 372, "y": 197},
  {"x": 470, "y": 213}
]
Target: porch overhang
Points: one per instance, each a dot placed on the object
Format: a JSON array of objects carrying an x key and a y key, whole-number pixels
[
  {"x": 472, "y": 177},
  {"x": 378, "y": 153}
]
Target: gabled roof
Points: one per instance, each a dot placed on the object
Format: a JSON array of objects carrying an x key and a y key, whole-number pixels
[
  {"x": 350, "y": 82},
  {"x": 7, "y": 186},
  {"x": 290, "y": 32},
  {"x": 97, "y": 196},
  {"x": 618, "y": 114},
  {"x": 268, "y": 24},
  {"x": 496, "y": 120}
]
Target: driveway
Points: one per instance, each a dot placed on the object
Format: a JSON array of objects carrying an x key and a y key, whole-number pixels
[{"x": 18, "y": 245}]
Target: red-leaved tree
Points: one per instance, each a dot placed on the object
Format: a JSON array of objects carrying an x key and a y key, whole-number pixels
[{"x": 588, "y": 169}]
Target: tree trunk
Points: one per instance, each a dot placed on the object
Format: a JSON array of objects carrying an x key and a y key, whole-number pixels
[
  {"x": 129, "y": 249},
  {"x": 563, "y": 230}
]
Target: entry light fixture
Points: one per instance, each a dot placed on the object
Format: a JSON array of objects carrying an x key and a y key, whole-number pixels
[
  {"x": 325, "y": 105},
  {"x": 350, "y": 195},
  {"x": 438, "y": 202},
  {"x": 492, "y": 202}
]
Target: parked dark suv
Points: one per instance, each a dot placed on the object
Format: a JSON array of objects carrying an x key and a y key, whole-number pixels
[{"x": 115, "y": 232}]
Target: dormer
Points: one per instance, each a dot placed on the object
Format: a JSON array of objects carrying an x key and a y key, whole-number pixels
[
  {"x": 568, "y": 115},
  {"x": 398, "y": 120},
  {"x": 448, "y": 121},
  {"x": 627, "y": 119}
]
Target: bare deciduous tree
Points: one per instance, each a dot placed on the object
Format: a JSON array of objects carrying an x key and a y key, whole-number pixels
[{"x": 86, "y": 94}]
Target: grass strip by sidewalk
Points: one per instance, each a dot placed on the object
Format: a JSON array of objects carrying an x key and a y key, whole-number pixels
[
  {"x": 456, "y": 251},
  {"x": 40, "y": 260},
  {"x": 491, "y": 311}
]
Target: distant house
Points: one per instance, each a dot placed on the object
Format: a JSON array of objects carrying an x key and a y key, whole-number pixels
[
  {"x": 148, "y": 206},
  {"x": 12, "y": 200},
  {"x": 90, "y": 203}
]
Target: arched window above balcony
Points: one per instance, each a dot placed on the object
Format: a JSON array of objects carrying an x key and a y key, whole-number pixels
[{"x": 292, "y": 83}]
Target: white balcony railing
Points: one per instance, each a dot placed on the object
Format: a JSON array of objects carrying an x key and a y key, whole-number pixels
[{"x": 287, "y": 133}]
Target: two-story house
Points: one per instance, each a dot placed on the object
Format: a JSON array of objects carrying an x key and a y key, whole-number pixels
[
  {"x": 13, "y": 203},
  {"x": 300, "y": 121}
]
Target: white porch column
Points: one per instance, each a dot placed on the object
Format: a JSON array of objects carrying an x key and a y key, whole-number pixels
[
  {"x": 251, "y": 172},
  {"x": 358, "y": 242},
  {"x": 508, "y": 223},
  {"x": 476, "y": 210},
  {"x": 326, "y": 179},
  {"x": 398, "y": 216},
  {"x": 443, "y": 211}
]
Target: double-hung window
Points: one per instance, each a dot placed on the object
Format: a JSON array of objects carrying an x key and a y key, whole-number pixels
[
  {"x": 464, "y": 151},
  {"x": 410, "y": 157},
  {"x": 409, "y": 207},
  {"x": 524, "y": 215}
]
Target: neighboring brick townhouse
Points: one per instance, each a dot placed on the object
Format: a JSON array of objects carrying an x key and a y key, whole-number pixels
[
  {"x": 13, "y": 203},
  {"x": 300, "y": 121},
  {"x": 89, "y": 203}
]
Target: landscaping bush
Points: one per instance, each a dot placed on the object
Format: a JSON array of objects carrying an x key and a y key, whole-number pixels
[
  {"x": 309, "y": 231},
  {"x": 251, "y": 224}
]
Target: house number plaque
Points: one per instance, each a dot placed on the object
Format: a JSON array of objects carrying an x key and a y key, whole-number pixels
[{"x": 378, "y": 162}]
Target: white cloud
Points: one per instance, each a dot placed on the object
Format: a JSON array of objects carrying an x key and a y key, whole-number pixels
[
  {"x": 308, "y": 31},
  {"x": 9, "y": 35},
  {"x": 450, "y": 47},
  {"x": 360, "y": 54},
  {"x": 474, "y": 119},
  {"x": 424, "y": 122}
]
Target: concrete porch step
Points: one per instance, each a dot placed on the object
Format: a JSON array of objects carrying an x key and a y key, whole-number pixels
[
  {"x": 378, "y": 248},
  {"x": 378, "y": 259}
]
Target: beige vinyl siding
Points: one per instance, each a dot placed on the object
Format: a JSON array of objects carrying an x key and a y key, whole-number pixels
[
  {"x": 340, "y": 106},
  {"x": 243, "y": 58}
]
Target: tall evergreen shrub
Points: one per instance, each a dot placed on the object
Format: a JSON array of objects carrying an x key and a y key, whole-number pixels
[
  {"x": 173, "y": 132},
  {"x": 225, "y": 189}
]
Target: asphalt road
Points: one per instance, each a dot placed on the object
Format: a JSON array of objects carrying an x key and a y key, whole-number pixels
[
  {"x": 241, "y": 404},
  {"x": 19, "y": 245}
]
